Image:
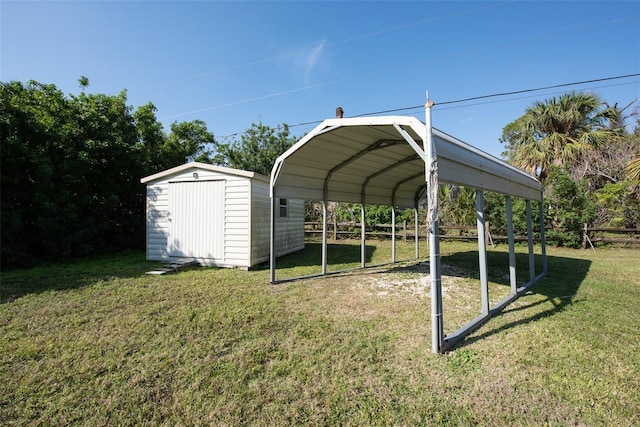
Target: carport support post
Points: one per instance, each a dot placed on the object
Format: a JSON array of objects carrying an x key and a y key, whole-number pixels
[
  {"x": 324, "y": 236},
  {"x": 272, "y": 249},
  {"x": 437, "y": 324},
  {"x": 532, "y": 263},
  {"x": 417, "y": 227},
  {"x": 512, "y": 248},
  {"x": 363, "y": 238},
  {"x": 543, "y": 243},
  {"x": 482, "y": 252},
  {"x": 393, "y": 233}
]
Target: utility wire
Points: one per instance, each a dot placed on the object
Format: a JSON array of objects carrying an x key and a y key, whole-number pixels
[
  {"x": 533, "y": 96},
  {"x": 395, "y": 68},
  {"x": 494, "y": 95},
  {"x": 458, "y": 101}
]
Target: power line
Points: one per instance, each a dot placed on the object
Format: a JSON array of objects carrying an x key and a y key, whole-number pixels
[
  {"x": 494, "y": 95},
  {"x": 458, "y": 101},
  {"x": 541, "y": 88},
  {"x": 533, "y": 96},
  {"x": 394, "y": 68}
]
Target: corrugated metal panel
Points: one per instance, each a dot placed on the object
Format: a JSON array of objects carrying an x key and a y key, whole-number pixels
[
  {"x": 353, "y": 158},
  {"x": 196, "y": 210},
  {"x": 462, "y": 164}
]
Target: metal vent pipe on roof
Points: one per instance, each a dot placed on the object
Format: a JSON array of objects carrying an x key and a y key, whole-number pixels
[{"x": 339, "y": 113}]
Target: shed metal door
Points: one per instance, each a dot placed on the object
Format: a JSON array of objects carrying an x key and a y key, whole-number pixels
[{"x": 196, "y": 213}]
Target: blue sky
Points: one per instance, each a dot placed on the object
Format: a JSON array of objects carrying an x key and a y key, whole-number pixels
[{"x": 232, "y": 64}]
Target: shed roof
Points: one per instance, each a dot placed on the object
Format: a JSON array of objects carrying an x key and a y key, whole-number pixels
[
  {"x": 380, "y": 160},
  {"x": 204, "y": 166}
]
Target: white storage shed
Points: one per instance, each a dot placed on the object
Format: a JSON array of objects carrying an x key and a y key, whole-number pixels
[{"x": 217, "y": 216}]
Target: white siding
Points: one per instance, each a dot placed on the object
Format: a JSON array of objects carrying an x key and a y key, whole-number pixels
[
  {"x": 289, "y": 230},
  {"x": 157, "y": 221},
  {"x": 236, "y": 242},
  {"x": 231, "y": 248},
  {"x": 225, "y": 217},
  {"x": 260, "y": 222}
]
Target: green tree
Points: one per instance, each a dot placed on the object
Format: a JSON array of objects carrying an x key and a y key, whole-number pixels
[
  {"x": 632, "y": 169},
  {"x": 618, "y": 205},
  {"x": 71, "y": 168},
  {"x": 150, "y": 139},
  {"x": 103, "y": 147},
  {"x": 32, "y": 147},
  {"x": 257, "y": 149},
  {"x": 188, "y": 141},
  {"x": 83, "y": 82},
  {"x": 557, "y": 132},
  {"x": 457, "y": 205},
  {"x": 568, "y": 208}
]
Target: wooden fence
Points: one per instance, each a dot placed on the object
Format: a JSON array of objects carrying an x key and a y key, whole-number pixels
[
  {"x": 406, "y": 232},
  {"x": 591, "y": 235}
]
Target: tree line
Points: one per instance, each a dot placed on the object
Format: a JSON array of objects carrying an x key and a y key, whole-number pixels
[{"x": 71, "y": 168}]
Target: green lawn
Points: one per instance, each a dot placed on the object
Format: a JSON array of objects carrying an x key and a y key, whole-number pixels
[{"x": 101, "y": 343}]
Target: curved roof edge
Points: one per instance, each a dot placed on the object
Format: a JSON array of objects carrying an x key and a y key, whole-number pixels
[
  {"x": 207, "y": 167},
  {"x": 336, "y": 143}
]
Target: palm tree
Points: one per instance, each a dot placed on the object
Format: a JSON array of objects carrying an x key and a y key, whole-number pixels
[
  {"x": 557, "y": 131},
  {"x": 633, "y": 174},
  {"x": 458, "y": 205},
  {"x": 83, "y": 82},
  {"x": 633, "y": 169}
]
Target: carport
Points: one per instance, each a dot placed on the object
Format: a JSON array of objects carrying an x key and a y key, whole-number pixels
[{"x": 393, "y": 160}]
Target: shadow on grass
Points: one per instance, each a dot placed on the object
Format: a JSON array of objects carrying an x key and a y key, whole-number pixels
[
  {"x": 558, "y": 288},
  {"x": 72, "y": 275},
  {"x": 337, "y": 254}
]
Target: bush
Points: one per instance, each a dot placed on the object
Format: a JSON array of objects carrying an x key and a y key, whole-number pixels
[{"x": 568, "y": 209}]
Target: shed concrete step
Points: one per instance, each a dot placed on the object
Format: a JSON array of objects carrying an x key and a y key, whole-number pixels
[{"x": 174, "y": 266}]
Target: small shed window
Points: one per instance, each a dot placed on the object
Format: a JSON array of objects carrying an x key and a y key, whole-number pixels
[{"x": 284, "y": 211}]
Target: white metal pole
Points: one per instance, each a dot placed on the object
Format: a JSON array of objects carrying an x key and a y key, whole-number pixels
[
  {"x": 437, "y": 326},
  {"x": 272, "y": 243},
  {"x": 363, "y": 238},
  {"x": 532, "y": 263},
  {"x": 417, "y": 231},
  {"x": 324, "y": 236},
  {"x": 543, "y": 243},
  {"x": 393, "y": 233},
  {"x": 482, "y": 252},
  {"x": 512, "y": 248}
]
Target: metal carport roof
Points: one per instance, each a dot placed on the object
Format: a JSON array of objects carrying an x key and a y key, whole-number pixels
[{"x": 381, "y": 160}]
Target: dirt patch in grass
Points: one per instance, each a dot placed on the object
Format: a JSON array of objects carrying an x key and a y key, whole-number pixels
[{"x": 411, "y": 280}]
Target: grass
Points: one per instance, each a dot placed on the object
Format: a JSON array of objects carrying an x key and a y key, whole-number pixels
[{"x": 100, "y": 343}]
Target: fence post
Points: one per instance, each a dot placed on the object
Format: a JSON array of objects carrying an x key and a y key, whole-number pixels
[
  {"x": 487, "y": 236},
  {"x": 404, "y": 230}
]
